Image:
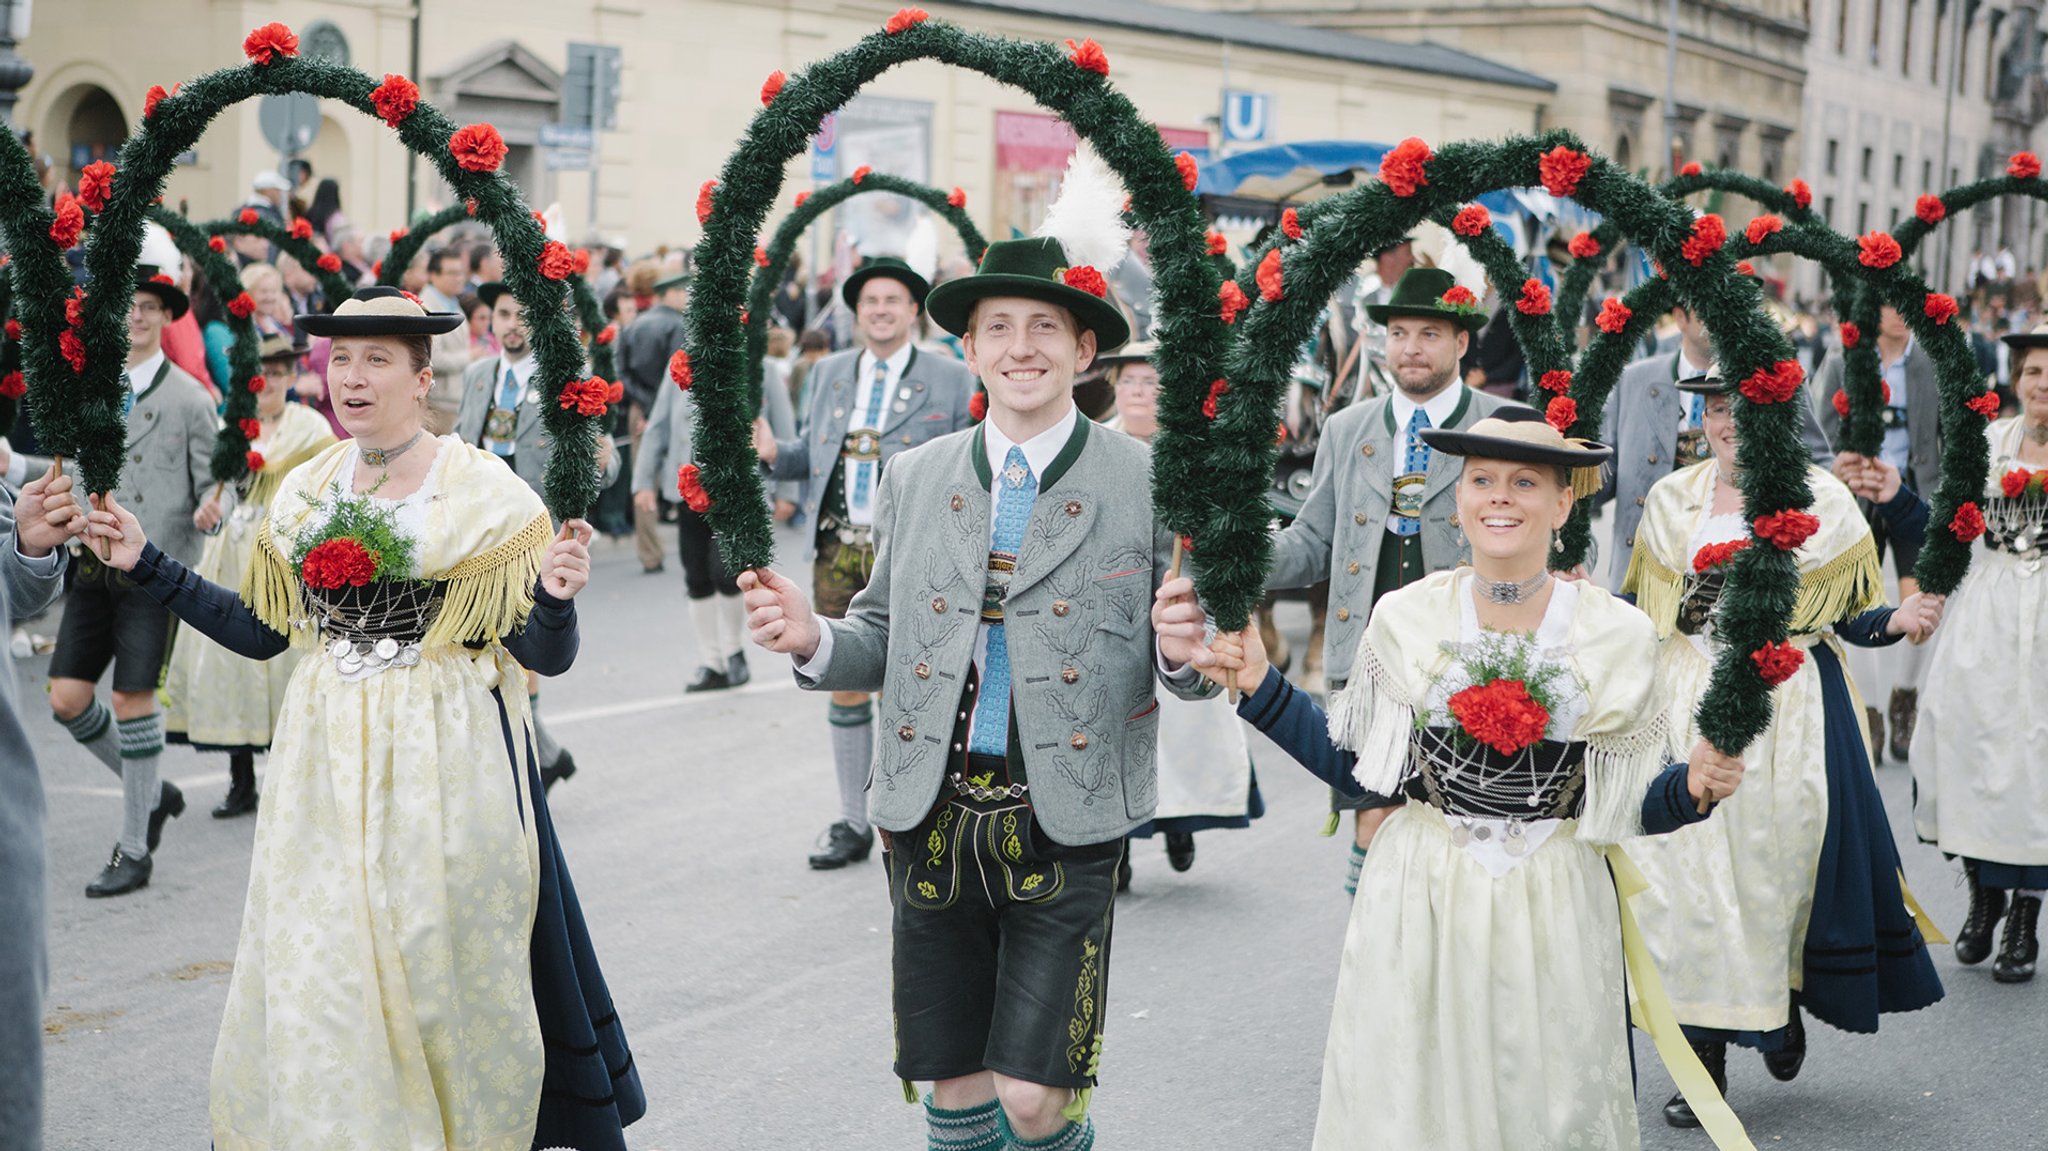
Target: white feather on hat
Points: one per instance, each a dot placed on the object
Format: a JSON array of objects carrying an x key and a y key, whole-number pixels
[
  {"x": 1087, "y": 218},
  {"x": 160, "y": 251}
]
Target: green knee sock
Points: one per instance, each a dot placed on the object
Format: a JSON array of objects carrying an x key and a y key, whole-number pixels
[
  {"x": 971, "y": 1129},
  {"x": 1357, "y": 865},
  {"x": 1073, "y": 1137}
]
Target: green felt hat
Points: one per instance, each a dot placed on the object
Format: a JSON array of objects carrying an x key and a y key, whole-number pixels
[
  {"x": 1035, "y": 269},
  {"x": 175, "y": 301},
  {"x": 1421, "y": 292},
  {"x": 889, "y": 268}
]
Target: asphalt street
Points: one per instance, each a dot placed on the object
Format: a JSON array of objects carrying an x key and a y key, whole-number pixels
[{"x": 755, "y": 991}]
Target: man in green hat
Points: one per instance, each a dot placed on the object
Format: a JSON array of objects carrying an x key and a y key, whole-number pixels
[
  {"x": 865, "y": 406},
  {"x": 643, "y": 354},
  {"x": 1381, "y": 509},
  {"x": 1007, "y": 625}
]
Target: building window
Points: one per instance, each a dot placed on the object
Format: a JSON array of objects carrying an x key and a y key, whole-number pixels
[
  {"x": 1841, "y": 27},
  {"x": 1906, "y": 39},
  {"x": 1869, "y": 155},
  {"x": 1876, "y": 29},
  {"x": 1926, "y": 175},
  {"x": 1898, "y": 169},
  {"x": 1991, "y": 54},
  {"x": 1622, "y": 152},
  {"x": 1862, "y": 219},
  {"x": 1834, "y": 157},
  {"x": 1827, "y": 210}
]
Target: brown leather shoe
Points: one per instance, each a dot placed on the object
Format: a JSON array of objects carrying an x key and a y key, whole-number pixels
[{"x": 1905, "y": 708}]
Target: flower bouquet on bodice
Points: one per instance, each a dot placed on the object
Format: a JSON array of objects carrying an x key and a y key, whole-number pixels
[{"x": 360, "y": 588}]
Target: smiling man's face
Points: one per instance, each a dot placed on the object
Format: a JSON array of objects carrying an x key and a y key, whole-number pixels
[{"x": 1027, "y": 353}]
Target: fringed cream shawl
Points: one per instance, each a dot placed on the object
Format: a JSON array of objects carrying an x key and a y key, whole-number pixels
[{"x": 1613, "y": 656}]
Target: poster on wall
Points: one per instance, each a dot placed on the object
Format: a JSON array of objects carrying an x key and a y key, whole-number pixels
[
  {"x": 1031, "y": 154},
  {"x": 888, "y": 135}
]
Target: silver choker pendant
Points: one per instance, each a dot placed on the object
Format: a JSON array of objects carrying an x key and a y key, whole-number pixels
[
  {"x": 1509, "y": 593},
  {"x": 382, "y": 457}
]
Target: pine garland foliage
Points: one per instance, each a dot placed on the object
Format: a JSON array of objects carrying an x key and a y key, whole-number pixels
[
  {"x": 406, "y": 248},
  {"x": 334, "y": 287},
  {"x": 230, "y": 447}
]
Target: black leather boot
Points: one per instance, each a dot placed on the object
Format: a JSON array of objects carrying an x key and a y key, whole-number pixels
[
  {"x": 241, "y": 798},
  {"x": 1987, "y": 905},
  {"x": 1905, "y": 708},
  {"x": 736, "y": 672},
  {"x": 842, "y": 845},
  {"x": 563, "y": 767},
  {"x": 2019, "y": 947},
  {"x": 1180, "y": 849},
  {"x": 170, "y": 802},
  {"x": 1713, "y": 1056},
  {"x": 120, "y": 876},
  {"x": 1784, "y": 1064},
  {"x": 708, "y": 678}
]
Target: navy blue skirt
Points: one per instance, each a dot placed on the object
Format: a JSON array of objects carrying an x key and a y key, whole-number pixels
[
  {"x": 2025, "y": 876},
  {"x": 1254, "y": 807}
]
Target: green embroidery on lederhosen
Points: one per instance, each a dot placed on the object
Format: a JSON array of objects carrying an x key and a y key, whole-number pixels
[
  {"x": 1013, "y": 848},
  {"x": 931, "y": 879},
  {"x": 1083, "y": 1042}
]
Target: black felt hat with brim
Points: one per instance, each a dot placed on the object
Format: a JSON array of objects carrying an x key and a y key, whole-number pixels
[
  {"x": 1709, "y": 383},
  {"x": 149, "y": 279},
  {"x": 279, "y": 347},
  {"x": 1521, "y": 435},
  {"x": 379, "y": 311},
  {"x": 1033, "y": 269},
  {"x": 1422, "y": 293},
  {"x": 2021, "y": 341},
  {"x": 888, "y": 268},
  {"x": 490, "y": 290}
]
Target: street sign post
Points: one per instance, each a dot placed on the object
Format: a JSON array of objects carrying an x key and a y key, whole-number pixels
[
  {"x": 825, "y": 151},
  {"x": 1247, "y": 117}
]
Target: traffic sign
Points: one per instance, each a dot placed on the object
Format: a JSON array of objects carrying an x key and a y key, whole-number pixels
[
  {"x": 579, "y": 136},
  {"x": 567, "y": 159},
  {"x": 825, "y": 151},
  {"x": 290, "y": 121},
  {"x": 1247, "y": 117}
]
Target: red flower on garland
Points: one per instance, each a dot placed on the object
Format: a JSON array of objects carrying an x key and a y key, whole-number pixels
[
  {"x": 905, "y": 19},
  {"x": 73, "y": 350},
  {"x": 1561, "y": 169},
  {"x": 302, "y": 228},
  {"x": 1774, "y": 384},
  {"x": 615, "y": 392},
  {"x": 1851, "y": 335},
  {"x": 1745, "y": 267},
  {"x": 760, "y": 255},
  {"x": 477, "y": 148},
  {"x": 95, "y": 184},
  {"x": 1777, "y": 662},
  {"x": 608, "y": 333},
  {"x": 690, "y": 486},
  {"x": 396, "y": 235},
  {"x": 1190, "y": 173},
  {"x": 13, "y": 385},
  {"x": 704, "y": 201},
  {"x": 69, "y": 224},
  {"x": 541, "y": 218},
  {"x": 2014, "y": 483},
  {"x": 251, "y": 217},
  {"x": 772, "y": 86},
  {"x": 1233, "y": 300},
  {"x": 586, "y": 397},
  {"x": 1216, "y": 244},
  {"x": 1709, "y": 232},
  {"x": 250, "y": 428},
  {"x": 1842, "y": 404},
  {"x": 1557, "y": 381},
  {"x": 1787, "y": 529},
  {"x": 337, "y": 563},
  {"x": 74, "y": 315},
  {"x": 395, "y": 99},
  {"x": 1502, "y": 715},
  {"x": 1692, "y": 168},
  {"x": 1984, "y": 404},
  {"x": 1471, "y": 220},
  {"x": 800, "y": 198},
  {"x": 1290, "y": 223},
  {"x": 1405, "y": 168},
  {"x": 256, "y": 385},
  {"x": 217, "y": 243},
  {"x": 2023, "y": 166},
  {"x": 1561, "y": 413},
  {"x": 1459, "y": 298},
  {"x": 1270, "y": 277},
  {"x": 1086, "y": 279},
  {"x": 1800, "y": 193},
  {"x": 12, "y": 329},
  {"x": 861, "y": 173},
  {"x": 1614, "y": 316},
  {"x": 1714, "y": 555},
  {"x": 1940, "y": 307},
  {"x": 679, "y": 369},
  {"x": 556, "y": 260},
  {"x": 1878, "y": 250},
  {"x": 1583, "y": 246},
  {"x": 1535, "y": 299},
  {"x": 150, "y": 99},
  {"x": 270, "y": 43},
  {"x": 977, "y": 406},
  {"x": 1968, "y": 522},
  {"x": 1216, "y": 390},
  {"x": 582, "y": 261},
  {"x": 242, "y": 306},
  {"x": 1761, "y": 226},
  {"x": 254, "y": 460},
  {"x": 1088, "y": 56},
  {"x": 1930, "y": 209},
  {"x": 328, "y": 262}
]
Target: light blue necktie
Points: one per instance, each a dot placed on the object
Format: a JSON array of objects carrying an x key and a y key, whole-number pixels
[
  {"x": 1014, "y": 497},
  {"x": 864, "y": 470},
  {"x": 1699, "y": 409},
  {"x": 1416, "y": 463},
  {"x": 508, "y": 401}
]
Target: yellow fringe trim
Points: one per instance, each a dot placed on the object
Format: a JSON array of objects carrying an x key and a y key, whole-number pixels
[
  {"x": 1619, "y": 769},
  {"x": 1657, "y": 588},
  {"x": 1849, "y": 584},
  {"x": 271, "y": 589},
  {"x": 489, "y": 595},
  {"x": 1931, "y": 935}
]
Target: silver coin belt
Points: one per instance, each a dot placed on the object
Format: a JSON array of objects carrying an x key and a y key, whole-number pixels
[
  {"x": 2018, "y": 526},
  {"x": 981, "y": 794},
  {"x": 1544, "y": 781},
  {"x": 370, "y": 629}
]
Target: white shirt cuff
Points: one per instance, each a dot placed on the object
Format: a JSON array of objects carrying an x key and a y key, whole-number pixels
[
  {"x": 814, "y": 668},
  {"x": 1184, "y": 675},
  {"x": 48, "y": 565},
  {"x": 17, "y": 467}
]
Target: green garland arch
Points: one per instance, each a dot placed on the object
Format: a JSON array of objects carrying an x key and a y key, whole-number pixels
[
  {"x": 334, "y": 287},
  {"x": 82, "y": 416},
  {"x": 783, "y": 245},
  {"x": 10, "y": 360},
  {"x": 407, "y": 242},
  {"x": 733, "y": 207},
  {"x": 230, "y": 447},
  {"x": 40, "y": 286}
]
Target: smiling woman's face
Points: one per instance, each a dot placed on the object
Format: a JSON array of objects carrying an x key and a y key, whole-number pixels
[
  {"x": 379, "y": 391},
  {"x": 1509, "y": 510}
]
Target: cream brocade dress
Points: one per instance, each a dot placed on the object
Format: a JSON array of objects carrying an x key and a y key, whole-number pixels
[
  {"x": 212, "y": 697},
  {"x": 382, "y": 996}
]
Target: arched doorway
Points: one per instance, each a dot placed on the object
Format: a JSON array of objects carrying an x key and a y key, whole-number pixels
[{"x": 83, "y": 125}]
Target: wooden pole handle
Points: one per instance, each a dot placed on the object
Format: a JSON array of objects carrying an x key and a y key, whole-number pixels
[{"x": 1706, "y": 800}]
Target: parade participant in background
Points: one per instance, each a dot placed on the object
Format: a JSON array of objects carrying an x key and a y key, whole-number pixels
[
  {"x": 1980, "y": 779},
  {"x": 1004, "y": 553},
  {"x": 651, "y": 338},
  {"x": 410, "y": 919},
  {"x": 501, "y": 413},
  {"x": 1206, "y": 777},
  {"x": 213, "y": 699},
  {"x": 865, "y": 407},
  {"x": 447, "y": 276},
  {"x": 1379, "y": 513},
  {"x": 1480, "y": 1003},
  {"x": 171, "y": 428},
  {"x": 1793, "y": 897}
]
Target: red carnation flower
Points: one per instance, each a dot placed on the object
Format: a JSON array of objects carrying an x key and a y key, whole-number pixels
[
  {"x": 1561, "y": 413},
  {"x": 704, "y": 201},
  {"x": 249, "y": 216},
  {"x": 1709, "y": 232},
  {"x": 1787, "y": 529},
  {"x": 977, "y": 406},
  {"x": 1216, "y": 244},
  {"x": 608, "y": 333},
  {"x": 2013, "y": 483},
  {"x": 469, "y": 205},
  {"x": 270, "y": 43},
  {"x": 477, "y": 148},
  {"x": 1535, "y": 299},
  {"x": 69, "y": 223},
  {"x": 1501, "y": 714},
  {"x": 743, "y": 317},
  {"x": 74, "y": 308},
  {"x": 1086, "y": 279},
  {"x": 1842, "y": 404},
  {"x": 1216, "y": 390},
  {"x": 1761, "y": 226},
  {"x": 690, "y": 486},
  {"x": 904, "y": 19},
  {"x": 150, "y": 99},
  {"x": 2023, "y": 166},
  {"x": 541, "y": 218},
  {"x": 1405, "y": 168},
  {"x": 242, "y": 306},
  {"x": 1290, "y": 224},
  {"x": 328, "y": 262},
  {"x": 614, "y": 392},
  {"x": 73, "y": 349},
  {"x": 1968, "y": 522},
  {"x": 1745, "y": 267},
  {"x": 1233, "y": 300},
  {"x": 13, "y": 329},
  {"x": 1776, "y": 662},
  {"x": 1614, "y": 316},
  {"x": 395, "y": 99},
  {"x": 556, "y": 260},
  {"x": 1930, "y": 209},
  {"x": 582, "y": 256},
  {"x": 586, "y": 397},
  {"x": 679, "y": 369},
  {"x": 861, "y": 173},
  {"x": 1984, "y": 404},
  {"x": 95, "y": 184},
  {"x": 1471, "y": 220},
  {"x": 760, "y": 255},
  {"x": 1459, "y": 296},
  {"x": 1851, "y": 334},
  {"x": 376, "y": 268},
  {"x": 957, "y": 198},
  {"x": 1088, "y": 56},
  {"x": 1561, "y": 169},
  {"x": 13, "y": 385},
  {"x": 250, "y": 428},
  {"x": 1692, "y": 168},
  {"x": 396, "y": 235},
  {"x": 1714, "y": 555},
  {"x": 1774, "y": 384},
  {"x": 800, "y": 198},
  {"x": 1557, "y": 380},
  {"x": 1190, "y": 174},
  {"x": 302, "y": 228},
  {"x": 336, "y": 563},
  {"x": 1800, "y": 193},
  {"x": 217, "y": 243},
  {"x": 1940, "y": 307},
  {"x": 1878, "y": 250},
  {"x": 256, "y": 385},
  {"x": 1270, "y": 278},
  {"x": 772, "y": 86},
  {"x": 1583, "y": 246},
  {"x": 254, "y": 460}
]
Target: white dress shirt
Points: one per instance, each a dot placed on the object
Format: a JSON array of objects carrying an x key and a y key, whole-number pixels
[
  {"x": 1440, "y": 408},
  {"x": 522, "y": 371}
]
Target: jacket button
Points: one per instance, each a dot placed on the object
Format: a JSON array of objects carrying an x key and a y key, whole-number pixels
[
  {"x": 906, "y": 439},
  {"x": 1629, "y": 542},
  {"x": 1454, "y": 519},
  {"x": 906, "y": 733},
  {"x": 1653, "y": 457},
  {"x": 1070, "y": 675},
  {"x": 1079, "y": 742},
  {"x": 1639, "y": 501},
  {"x": 136, "y": 457},
  {"x": 1365, "y": 450},
  {"x": 1351, "y": 568},
  {"x": 1358, "y": 518},
  {"x": 923, "y": 671},
  {"x": 1653, "y": 390},
  {"x": 1061, "y": 607},
  {"x": 1343, "y": 614},
  {"x": 939, "y": 605},
  {"x": 1073, "y": 507},
  {"x": 959, "y": 502}
]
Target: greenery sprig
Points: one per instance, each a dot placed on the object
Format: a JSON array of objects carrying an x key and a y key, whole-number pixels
[
  {"x": 230, "y": 448},
  {"x": 362, "y": 519}
]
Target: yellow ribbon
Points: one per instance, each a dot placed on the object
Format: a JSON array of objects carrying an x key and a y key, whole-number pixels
[
  {"x": 1651, "y": 1011},
  {"x": 1929, "y": 933}
]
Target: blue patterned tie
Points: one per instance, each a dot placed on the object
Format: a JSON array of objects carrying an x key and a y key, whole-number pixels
[
  {"x": 857, "y": 504},
  {"x": 1014, "y": 497},
  {"x": 508, "y": 401},
  {"x": 1415, "y": 463},
  {"x": 1699, "y": 409}
]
